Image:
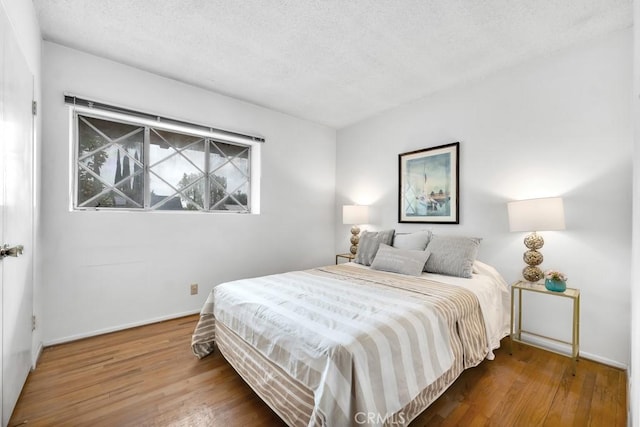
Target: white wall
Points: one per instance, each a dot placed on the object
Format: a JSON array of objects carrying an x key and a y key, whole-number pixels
[
  {"x": 25, "y": 25},
  {"x": 634, "y": 371},
  {"x": 107, "y": 270},
  {"x": 555, "y": 126}
]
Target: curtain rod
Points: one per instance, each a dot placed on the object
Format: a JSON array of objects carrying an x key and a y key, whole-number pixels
[{"x": 82, "y": 102}]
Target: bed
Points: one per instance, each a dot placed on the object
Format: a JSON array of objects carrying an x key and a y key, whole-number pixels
[{"x": 352, "y": 345}]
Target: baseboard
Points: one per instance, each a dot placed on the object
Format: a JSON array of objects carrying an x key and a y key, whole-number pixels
[
  {"x": 551, "y": 345},
  {"x": 36, "y": 356},
  {"x": 118, "y": 328}
]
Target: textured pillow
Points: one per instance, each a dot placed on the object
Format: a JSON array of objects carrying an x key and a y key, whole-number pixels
[
  {"x": 369, "y": 242},
  {"x": 452, "y": 255},
  {"x": 413, "y": 241},
  {"x": 400, "y": 260}
]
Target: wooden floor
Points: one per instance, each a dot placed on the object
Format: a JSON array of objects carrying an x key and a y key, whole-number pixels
[{"x": 147, "y": 376}]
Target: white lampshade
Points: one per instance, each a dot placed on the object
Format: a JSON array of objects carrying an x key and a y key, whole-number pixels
[
  {"x": 545, "y": 214},
  {"x": 355, "y": 214}
]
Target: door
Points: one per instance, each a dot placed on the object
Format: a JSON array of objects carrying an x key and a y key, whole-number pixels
[{"x": 16, "y": 215}]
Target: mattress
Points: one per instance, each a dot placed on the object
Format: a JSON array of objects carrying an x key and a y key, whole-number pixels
[{"x": 471, "y": 312}]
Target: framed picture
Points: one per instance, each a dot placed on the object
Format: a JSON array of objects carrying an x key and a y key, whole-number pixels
[{"x": 429, "y": 185}]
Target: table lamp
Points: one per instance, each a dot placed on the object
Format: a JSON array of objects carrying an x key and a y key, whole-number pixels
[
  {"x": 535, "y": 215},
  {"x": 355, "y": 215}
]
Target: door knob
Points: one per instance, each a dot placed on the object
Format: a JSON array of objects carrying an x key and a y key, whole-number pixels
[{"x": 14, "y": 251}]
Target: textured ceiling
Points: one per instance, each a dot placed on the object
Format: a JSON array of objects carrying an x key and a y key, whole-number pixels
[{"x": 334, "y": 62}]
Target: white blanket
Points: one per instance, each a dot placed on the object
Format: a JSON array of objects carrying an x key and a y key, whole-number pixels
[
  {"x": 361, "y": 348},
  {"x": 492, "y": 292}
]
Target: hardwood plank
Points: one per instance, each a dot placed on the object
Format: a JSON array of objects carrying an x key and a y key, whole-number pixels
[
  {"x": 566, "y": 399},
  {"x": 147, "y": 376}
]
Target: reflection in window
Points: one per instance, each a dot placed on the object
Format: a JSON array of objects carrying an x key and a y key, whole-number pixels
[{"x": 132, "y": 166}]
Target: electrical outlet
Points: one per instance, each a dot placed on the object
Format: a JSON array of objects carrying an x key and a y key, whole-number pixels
[{"x": 194, "y": 289}]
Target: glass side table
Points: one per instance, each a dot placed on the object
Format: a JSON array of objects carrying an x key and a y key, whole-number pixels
[
  {"x": 348, "y": 256},
  {"x": 516, "y": 331}
]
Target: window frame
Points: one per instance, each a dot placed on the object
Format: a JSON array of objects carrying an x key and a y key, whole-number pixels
[{"x": 209, "y": 138}]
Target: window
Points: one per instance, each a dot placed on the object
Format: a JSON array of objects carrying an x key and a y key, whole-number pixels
[{"x": 132, "y": 163}]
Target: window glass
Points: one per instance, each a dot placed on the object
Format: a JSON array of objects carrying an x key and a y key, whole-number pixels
[
  {"x": 109, "y": 175},
  {"x": 130, "y": 166},
  {"x": 229, "y": 176}
]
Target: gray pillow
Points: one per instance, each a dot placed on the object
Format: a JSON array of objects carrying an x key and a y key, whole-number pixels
[
  {"x": 417, "y": 241},
  {"x": 369, "y": 242},
  {"x": 452, "y": 255},
  {"x": 400, "y": 260}
]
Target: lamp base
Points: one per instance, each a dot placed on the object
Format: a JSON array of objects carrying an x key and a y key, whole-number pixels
[
  {"x": 534, "y": 241},
  {"x": 532, "y": 274},
  {"x": 355, "y": 238},
  {"x": 533, "y": 258}
]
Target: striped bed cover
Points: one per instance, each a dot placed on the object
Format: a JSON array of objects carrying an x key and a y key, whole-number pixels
[{"x": 296, "y": 386}]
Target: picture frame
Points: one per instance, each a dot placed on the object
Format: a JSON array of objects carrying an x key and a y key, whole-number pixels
[{"x": 429, "y": 185}]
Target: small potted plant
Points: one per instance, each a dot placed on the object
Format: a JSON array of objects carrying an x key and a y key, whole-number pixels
[{"x": 555, "y": 280}]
